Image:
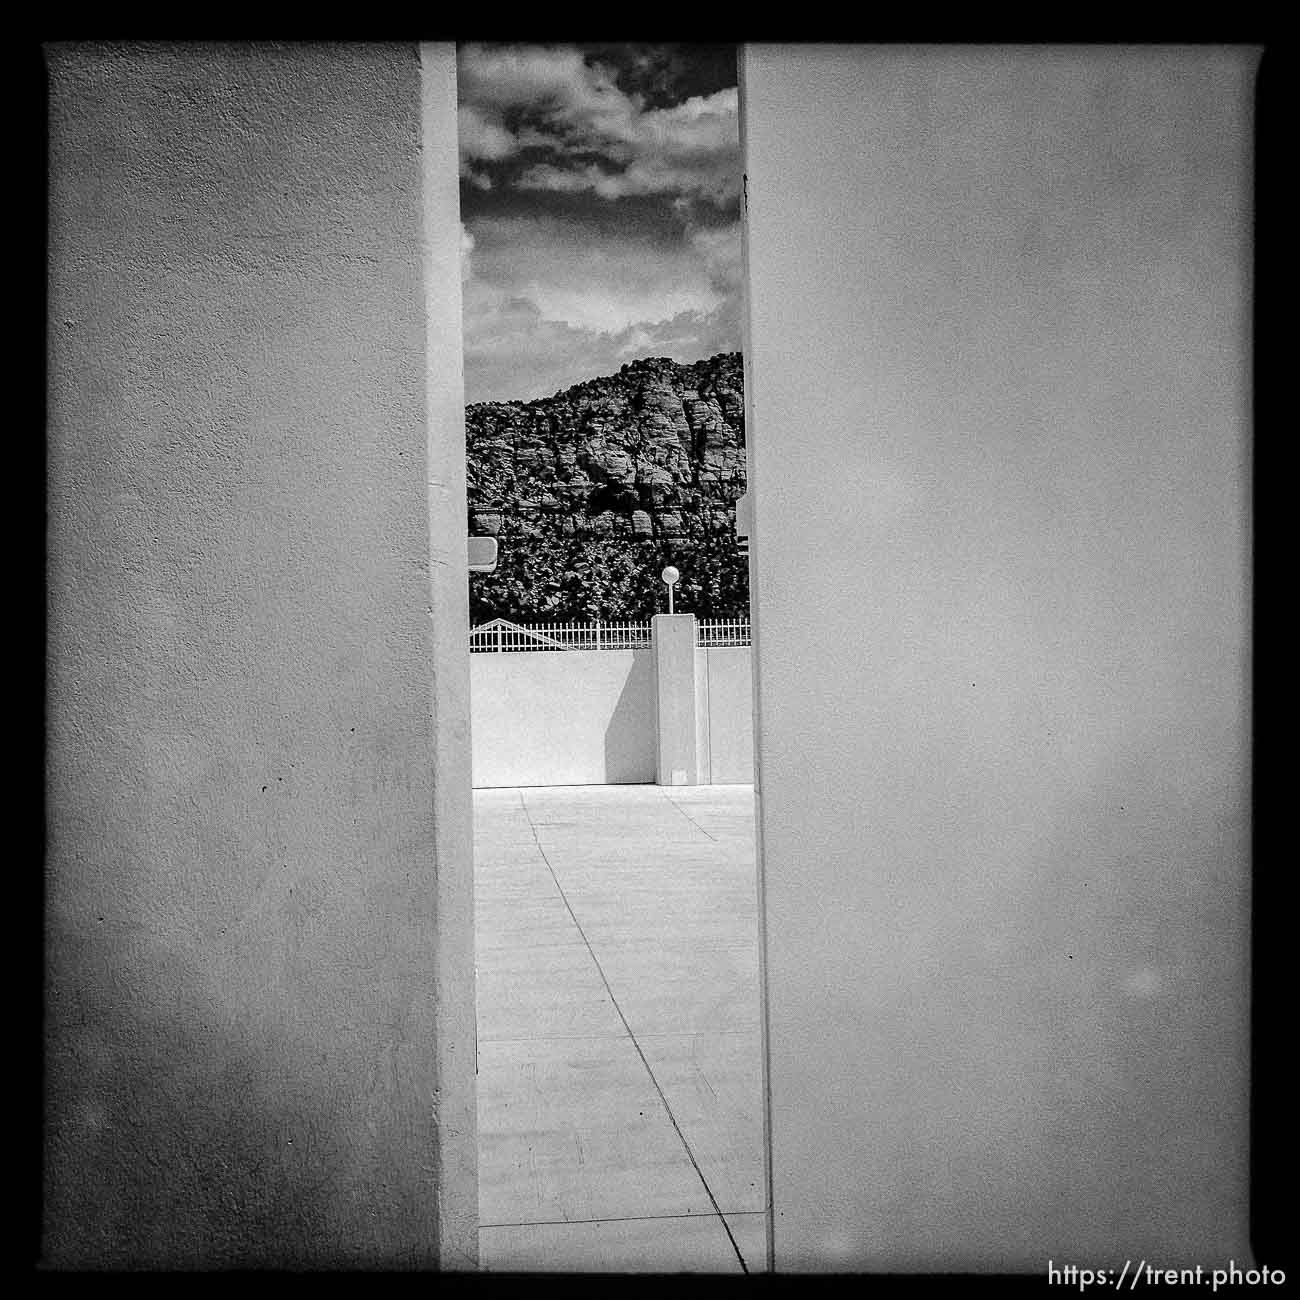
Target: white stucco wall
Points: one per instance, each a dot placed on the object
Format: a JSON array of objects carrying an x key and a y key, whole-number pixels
[
  {"x": 588, "y": 717},
  {"x": 724, "y": 712},
  {"x": 998, "y": 375},
  {"x": 572, "y": 717},
  {"x": 260, "y": 994}
]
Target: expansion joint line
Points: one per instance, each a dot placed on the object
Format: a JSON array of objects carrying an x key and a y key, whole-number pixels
[
  {"x": 687, "y": 815},
  {"x": 668, "y": 1110}
]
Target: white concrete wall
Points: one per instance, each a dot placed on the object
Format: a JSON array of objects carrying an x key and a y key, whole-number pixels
[
  {"x": 724, "y": 712},
  {"x": 587, "y": 717},
  {"x": 998, "y": 379},
  {"x": 571, "y": 717},
  {"x": 260, "y": 981}
]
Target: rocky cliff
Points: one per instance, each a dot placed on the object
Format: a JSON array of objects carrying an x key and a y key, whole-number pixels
[
  {"x": 592, "y": 491},
  {"x": 657, "y": 450}
]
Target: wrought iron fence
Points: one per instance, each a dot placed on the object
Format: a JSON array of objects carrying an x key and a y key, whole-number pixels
[
  {"x": 722, "y": 631},
  {"x": 500, "y": 635}
]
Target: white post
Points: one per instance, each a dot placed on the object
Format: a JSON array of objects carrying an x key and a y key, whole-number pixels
[{"x": 676, "y": 724}]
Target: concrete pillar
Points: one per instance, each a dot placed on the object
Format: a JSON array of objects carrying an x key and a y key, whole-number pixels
[
  {"x": 1005, "y": 819},
  {"x": 674, "y": 645},
  {"x": 259, "y": 1016}
]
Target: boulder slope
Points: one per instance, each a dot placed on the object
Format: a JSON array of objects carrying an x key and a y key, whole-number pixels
[
  {"x": 592, "y": 491},
  {"x": 655, "y": 451}
]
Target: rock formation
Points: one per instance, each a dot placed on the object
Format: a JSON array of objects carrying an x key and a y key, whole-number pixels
[
  {"x": 623, "y": 471},
  {"x": 657, "y": 450}
]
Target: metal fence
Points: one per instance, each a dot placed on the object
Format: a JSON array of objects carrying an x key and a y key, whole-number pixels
[
  {"x": 722, "y": 631},
  {"x": 500, "y": 635}
]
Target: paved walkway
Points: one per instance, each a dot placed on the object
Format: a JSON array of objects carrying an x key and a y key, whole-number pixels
[{"x": 619, "y": 1080}]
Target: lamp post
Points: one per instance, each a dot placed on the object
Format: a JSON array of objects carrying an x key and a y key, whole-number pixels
[{"x": 670, "y": 576}]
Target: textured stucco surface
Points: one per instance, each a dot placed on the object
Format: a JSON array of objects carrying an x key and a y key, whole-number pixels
[
  {"x": 582, "y": 717},
  {"x": 725, "y": 715},
  {"x": 1004, "y": 817},
  {"x": 242, "y": 873}
]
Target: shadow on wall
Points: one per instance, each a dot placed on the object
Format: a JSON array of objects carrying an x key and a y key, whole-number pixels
[
  {"x": 630, "y": 744},
  {"x": 175, "y": 1137}
]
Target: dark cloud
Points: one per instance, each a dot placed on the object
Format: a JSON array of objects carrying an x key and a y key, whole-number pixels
[
  {"x": 549, "y": 118},
  {"x": 667, "y": 74}
]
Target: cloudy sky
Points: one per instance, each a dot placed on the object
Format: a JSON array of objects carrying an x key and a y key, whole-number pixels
[{"x": 600, "y": 204}]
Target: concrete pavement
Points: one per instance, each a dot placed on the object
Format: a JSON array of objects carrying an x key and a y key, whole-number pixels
[{"x": 619, "y": 1075}]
